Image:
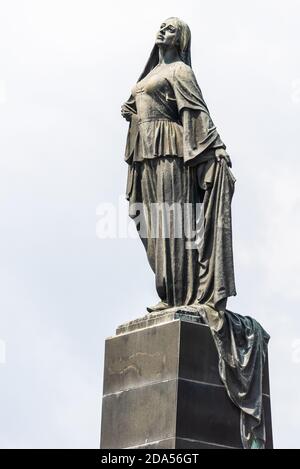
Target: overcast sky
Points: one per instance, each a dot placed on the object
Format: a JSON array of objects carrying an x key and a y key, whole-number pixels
[{"x": 66, "y": 66}]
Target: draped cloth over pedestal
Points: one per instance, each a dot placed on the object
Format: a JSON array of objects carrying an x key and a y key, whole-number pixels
[{"x": 242, "y": 346}]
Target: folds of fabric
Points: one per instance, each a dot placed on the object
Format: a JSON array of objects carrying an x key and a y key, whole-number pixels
[
  {"x": 216, "y": 280},
  {"x": 158, "y": 138},
  {"x": 242, "y": 347},
  {"x": 164, "y": 197}
]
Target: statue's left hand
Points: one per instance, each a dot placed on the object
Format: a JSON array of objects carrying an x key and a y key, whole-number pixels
[{"x": 222, "y": 154}]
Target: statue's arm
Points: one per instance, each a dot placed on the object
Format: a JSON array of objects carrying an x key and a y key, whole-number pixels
[
  {"x": 201, "y": 140},
  {"x": 200, "y": 136}
]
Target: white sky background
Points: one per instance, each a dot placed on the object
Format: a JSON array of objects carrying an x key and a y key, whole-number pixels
[{"x": 66, "y": 67}]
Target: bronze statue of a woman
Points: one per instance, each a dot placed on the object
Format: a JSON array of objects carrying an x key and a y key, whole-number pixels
[{"x": 176, "y": 156}]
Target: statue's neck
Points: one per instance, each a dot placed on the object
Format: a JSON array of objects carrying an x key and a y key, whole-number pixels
[{"x": 168, "y": 55}]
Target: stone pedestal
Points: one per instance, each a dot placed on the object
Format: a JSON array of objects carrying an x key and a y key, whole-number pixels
[{"x": 162, "y": 389}]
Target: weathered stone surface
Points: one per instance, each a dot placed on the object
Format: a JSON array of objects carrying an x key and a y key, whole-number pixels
[
  {"x": 186, "y": 313},
  {"x": 162, "y": 390},
  {"x": 141, "y": 358},
  {"x": 139, "y": 416}
]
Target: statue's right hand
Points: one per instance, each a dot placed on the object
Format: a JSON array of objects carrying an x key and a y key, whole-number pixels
[{"x": 125, "y": 113}]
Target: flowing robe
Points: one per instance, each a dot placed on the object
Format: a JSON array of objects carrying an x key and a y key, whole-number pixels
[{"x": 170, "y": 151}]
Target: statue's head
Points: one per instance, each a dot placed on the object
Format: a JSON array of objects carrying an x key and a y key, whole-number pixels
[{"x": 174, "y": 32}]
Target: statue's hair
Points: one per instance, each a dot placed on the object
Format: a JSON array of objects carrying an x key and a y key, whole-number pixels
[{"x": 184, "y": 40}]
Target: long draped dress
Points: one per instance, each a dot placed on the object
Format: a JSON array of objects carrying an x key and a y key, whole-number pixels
[{"x": 170, "y": 151}]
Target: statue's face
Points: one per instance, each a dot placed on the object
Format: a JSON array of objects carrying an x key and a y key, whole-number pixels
[{"x": 167, "y": 34}]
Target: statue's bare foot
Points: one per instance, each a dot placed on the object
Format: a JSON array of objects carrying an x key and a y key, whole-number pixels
[{"x": 159, "y": 307}]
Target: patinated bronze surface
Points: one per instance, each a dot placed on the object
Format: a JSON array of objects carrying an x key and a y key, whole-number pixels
[{"x": 176, "y": 156}]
